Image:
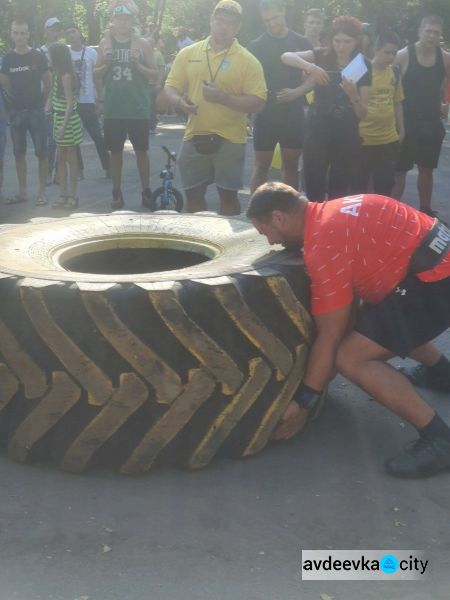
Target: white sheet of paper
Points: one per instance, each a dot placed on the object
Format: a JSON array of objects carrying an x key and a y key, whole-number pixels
[{"x": 355, "y": 69}]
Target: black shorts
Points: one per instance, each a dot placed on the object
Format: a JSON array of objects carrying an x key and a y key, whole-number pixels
[
  {"x": 422, "y": 145},
  {"x": 414, "y": 313},
  {"x": 284, "y": 126},
  {"x": 116, "y": 132}
]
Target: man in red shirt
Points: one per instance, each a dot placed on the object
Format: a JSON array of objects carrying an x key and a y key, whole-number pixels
[{"x": 367, "y": 247}]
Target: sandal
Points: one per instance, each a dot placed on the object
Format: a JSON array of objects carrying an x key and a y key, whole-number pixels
[
  {"x": 117, "y": 201},
  {"x": 71, "y": 202},
  {"x": 61, "y": 203},
  {"x": 16, "y": 199},
  {"x": 41, "y": 201}
]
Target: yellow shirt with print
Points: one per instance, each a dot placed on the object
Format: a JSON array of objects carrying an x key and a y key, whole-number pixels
[
  {"x": 234, "y": 70},
  {"x": 379, "y": 125}
]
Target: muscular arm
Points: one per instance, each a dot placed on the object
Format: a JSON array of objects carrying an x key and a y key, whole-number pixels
[
  {"x": 331, "y": 328},
  {"x": 402, "y": 60}
]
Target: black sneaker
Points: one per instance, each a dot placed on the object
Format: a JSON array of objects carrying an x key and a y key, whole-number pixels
[
  {"x": 423, "y": 458},
  {"x": 147, "y": 199},
  {"x": 424, "y": 377}
]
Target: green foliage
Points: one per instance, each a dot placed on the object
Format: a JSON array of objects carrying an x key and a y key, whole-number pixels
[{"x": 92, "y": 15}]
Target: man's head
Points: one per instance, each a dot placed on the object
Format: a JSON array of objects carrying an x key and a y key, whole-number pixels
[
  {"x": 123, "y": 18},
  {"x": 20, "y": 34},
  {"x": 225, "y": 21},
  {"x": 53, "y": 30},
  {"x": 73, "y": 35},
  {"x": 314, "y": 24},
  {"x": 386, "y": 48},
  {"x": 430, "y": 31},
  {"x": 277, "y": 211},
  {"x": 273, "y": 16}
]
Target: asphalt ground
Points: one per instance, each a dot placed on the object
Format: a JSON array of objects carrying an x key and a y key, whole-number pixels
[{"x": 237, "y": 528}]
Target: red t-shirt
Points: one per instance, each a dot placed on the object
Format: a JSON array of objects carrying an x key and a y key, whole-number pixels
[{"x": 361, "y": 246}]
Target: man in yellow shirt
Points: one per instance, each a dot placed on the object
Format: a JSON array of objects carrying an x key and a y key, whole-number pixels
[
  {"x": 216, "y": 82},
  {"x": 383, "y": 129}
]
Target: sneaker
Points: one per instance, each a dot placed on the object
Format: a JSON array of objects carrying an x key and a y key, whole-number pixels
[
  {"x": 423, "y": 458},
  {"x": 147, "y": 198},
  {"x": 424, "y": 377}
]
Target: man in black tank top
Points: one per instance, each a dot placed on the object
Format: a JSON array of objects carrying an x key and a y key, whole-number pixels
[{"x": 425, "y": 68}]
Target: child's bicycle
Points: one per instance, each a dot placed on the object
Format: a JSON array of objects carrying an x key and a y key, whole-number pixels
[{"x": 167, "y": 197}]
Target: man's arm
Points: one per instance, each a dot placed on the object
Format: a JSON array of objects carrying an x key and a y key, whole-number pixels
[
  {"x": 101, "y": 66},
  {"x": 331, "y": 328},
  {"x": 289, "y": 95},
  {"x": 401, "y": 60},
  {"x": 148, "y": 69},
  {"x": 177, "y": 100},
  {"x": 399, "y": 121},
  {"x": 5, "y": 82},
  {"x": 246, "y": 103},
  {"x": 46, "y": 84}
]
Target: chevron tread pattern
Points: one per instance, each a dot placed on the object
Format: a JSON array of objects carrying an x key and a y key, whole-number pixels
[{"x": 172, "y": 380}]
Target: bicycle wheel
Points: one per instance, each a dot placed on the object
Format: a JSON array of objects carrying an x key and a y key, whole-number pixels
[{"x": 175, "y": 200}]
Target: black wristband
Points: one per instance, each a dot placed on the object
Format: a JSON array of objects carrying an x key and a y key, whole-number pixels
[{"x": 306, "y": 397}]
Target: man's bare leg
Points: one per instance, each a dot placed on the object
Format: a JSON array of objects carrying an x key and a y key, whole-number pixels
[
  {"x": 363, "y": 362},
  {"x": 116, "y": 170},
  {"x": 425, "y": 187},
  {"x": 427, "y": 354},
  {"x": 399, "y": 185},
  {"x": 263, "y": 160},
  {"x": 43, "y": 170},
  {"x": 289, "y": 170},
  {"x": 229, "y": 202},
  {"x": 143, "y": 165},
  {"x": 195, "y": 198},
  {"x": 21, "y": 170}
]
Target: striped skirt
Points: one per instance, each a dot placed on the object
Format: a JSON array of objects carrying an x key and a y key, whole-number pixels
[{"x": 73, "y": 133}]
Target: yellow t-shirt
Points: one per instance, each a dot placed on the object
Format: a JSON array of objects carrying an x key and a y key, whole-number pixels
[
  {"x": 379, "y": 125},
  {"x": 238, "y": 72}
]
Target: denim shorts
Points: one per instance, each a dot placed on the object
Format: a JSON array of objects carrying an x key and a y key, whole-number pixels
[{"x": 34, "y": 122}]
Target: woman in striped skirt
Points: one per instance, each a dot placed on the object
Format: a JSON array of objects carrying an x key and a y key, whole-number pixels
[{"x": 67, "y": 131}]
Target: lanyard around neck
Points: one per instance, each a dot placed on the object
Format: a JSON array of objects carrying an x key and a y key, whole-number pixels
[{"x": 214, "y": 77}]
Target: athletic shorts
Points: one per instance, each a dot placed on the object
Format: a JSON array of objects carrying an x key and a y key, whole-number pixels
[
  {"x": 414, "y": 313},
  {"x": 422, "y": 145},
  {"x": 116, "y": 132},
  {"x": 273, "y": 126},
  {"x": 225, "y": 168},
  {"x": 34, "y": 122}
]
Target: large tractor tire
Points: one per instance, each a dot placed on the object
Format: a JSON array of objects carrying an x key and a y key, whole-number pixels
[{"x": 129, "y": 340}]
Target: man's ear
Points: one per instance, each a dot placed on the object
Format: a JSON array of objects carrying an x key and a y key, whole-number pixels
[{"x": 278, "y": 218}]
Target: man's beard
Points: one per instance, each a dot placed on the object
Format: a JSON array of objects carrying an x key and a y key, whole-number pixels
[{"x": 292, "y": 245}]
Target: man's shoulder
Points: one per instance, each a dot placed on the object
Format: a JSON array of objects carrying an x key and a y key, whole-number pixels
[
  {"x": 300, "y": 41},
  {"x": 257, "y": 43}
]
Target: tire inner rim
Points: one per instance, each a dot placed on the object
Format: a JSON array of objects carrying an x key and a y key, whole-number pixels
[{"x": 132, "y": 254}]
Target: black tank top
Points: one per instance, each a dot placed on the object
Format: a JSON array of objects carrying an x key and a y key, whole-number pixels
[{"x": 422, "y": 87}]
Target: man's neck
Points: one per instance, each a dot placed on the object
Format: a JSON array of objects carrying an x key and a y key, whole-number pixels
[
  {"x": 314, "y": 41},
  {"x": 77, "y": 47},
  {"x": 219, "y": 46},
  {"x": 425, "y": 49},
  {"x": 23, "y": 50},
  {"x": 282, "y": 35},
  {"x": 122, "y": 37}
]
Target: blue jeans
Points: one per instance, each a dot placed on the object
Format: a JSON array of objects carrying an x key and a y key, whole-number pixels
[{"x": 32, "y": 121}]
